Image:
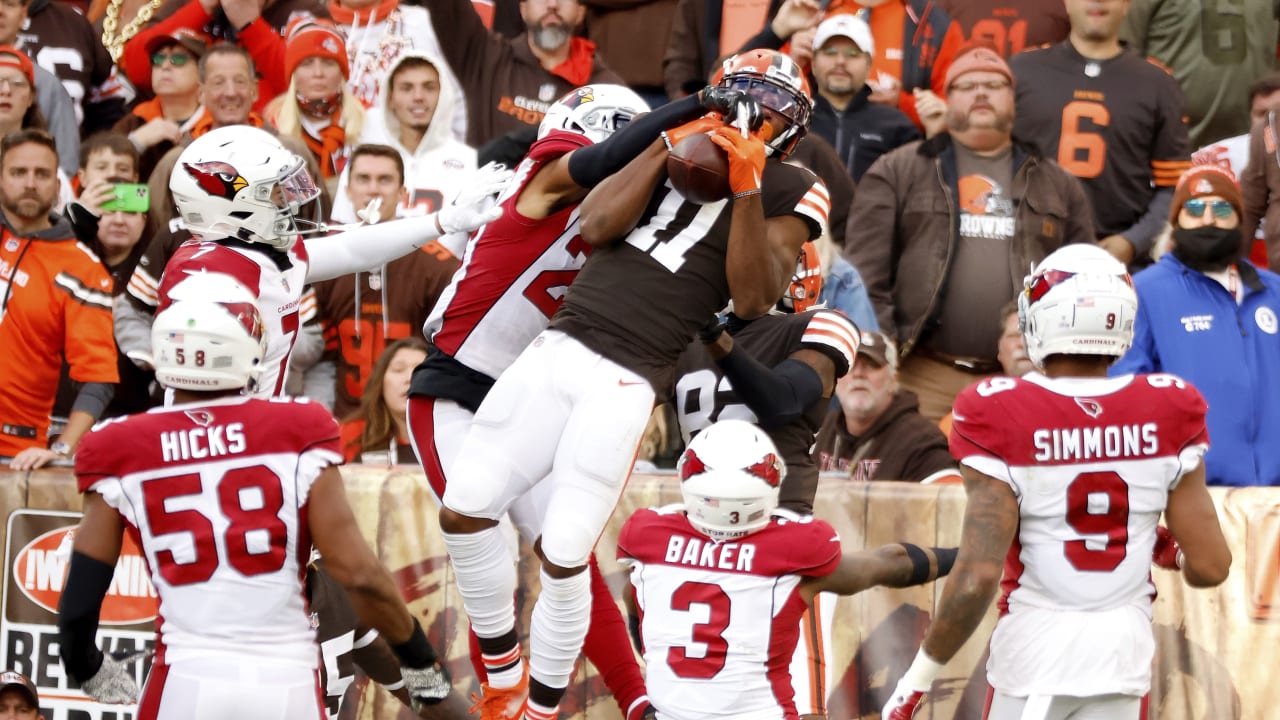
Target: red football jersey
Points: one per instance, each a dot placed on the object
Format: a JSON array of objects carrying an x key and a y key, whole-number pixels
[
  {"x": 216, "y": 495},
  {"x": 721, "y": 620}
]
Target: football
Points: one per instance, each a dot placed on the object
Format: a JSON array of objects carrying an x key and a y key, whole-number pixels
[{"x": 699, "y": 169}]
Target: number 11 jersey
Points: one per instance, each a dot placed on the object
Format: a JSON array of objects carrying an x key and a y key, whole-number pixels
[{"x": 216, "y": 495}]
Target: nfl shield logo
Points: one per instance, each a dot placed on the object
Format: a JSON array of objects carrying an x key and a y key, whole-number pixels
[{"x": 547, "y": 92}]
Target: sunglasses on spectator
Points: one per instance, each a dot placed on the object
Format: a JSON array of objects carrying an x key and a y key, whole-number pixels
[
  {"x": 989, "y": 86},
  {"x": 176, "y": 59},
  {"x": 849, "y": 53},
  {"x": 1196, "y": 207}
]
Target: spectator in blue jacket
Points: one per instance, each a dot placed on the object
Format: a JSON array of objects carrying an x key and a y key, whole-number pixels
[{"x": 1209, "y": 316}]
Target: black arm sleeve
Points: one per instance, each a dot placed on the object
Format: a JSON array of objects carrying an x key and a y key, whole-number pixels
[
  {"x": 776, "y": 396},
  {"x": 87, "y": 583},
  {"x": 83, "y": 223},
  {"x": 765, "y": 39},
  {"x": 592, "y": 164}
]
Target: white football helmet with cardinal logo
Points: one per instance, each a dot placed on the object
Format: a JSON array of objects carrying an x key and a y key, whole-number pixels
[
  {"x": 729, "y": 477},
  {"x": 240, "y": 182}
]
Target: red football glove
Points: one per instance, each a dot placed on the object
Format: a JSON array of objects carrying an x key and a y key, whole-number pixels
[
  {"x": 903, "y": 705},
  {"x": 1166, "y": 553},
  {"x": 706, "y": 123},
  {"x": 746, "y": 158}
]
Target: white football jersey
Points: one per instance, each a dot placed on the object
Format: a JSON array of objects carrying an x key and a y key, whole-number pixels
[
  {"x": 1091, "y": 461},
  {"x": 514, "y": 275},
  {"x": 279, "y": 292},
  {"x": 721, "y": 621},
  {"x": 217, "y": 495}
]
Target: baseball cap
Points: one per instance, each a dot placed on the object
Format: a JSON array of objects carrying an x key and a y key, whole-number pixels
[
  {"x": 13, "y": 57},
  {"x": 845, "y": 25},
  {"x": 194, "y": 41},
  {"x": 878, "y": 348},
  {"x": 10, "y": 679}
]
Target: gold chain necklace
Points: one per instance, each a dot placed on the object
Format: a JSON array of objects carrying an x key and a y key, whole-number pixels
[{"x": 115, "y": 43}]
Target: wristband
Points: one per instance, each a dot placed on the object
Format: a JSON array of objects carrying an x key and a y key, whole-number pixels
[
  {"x": 922, "y": 672},
  {"x": 746, "y": 193},
  {"x": 920, "y": 565},
  {"x": 416, "y": 652}
]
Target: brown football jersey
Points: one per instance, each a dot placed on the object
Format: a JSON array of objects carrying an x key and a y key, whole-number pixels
[
  {"x": 703, "y": 395},
  {"x": 640, "y": 300}
]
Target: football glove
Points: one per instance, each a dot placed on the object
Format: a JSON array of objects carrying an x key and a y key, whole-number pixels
[
  {"x": 426, "y": 686},
  {"x": 746, "y": 159},
  {"x": 903, "y": 705},
  {"x": 706, "y": 123},
  {"x": 112, "y": 684},
  {"x": 476, "y": 205},
  {"x": 732, "y": 103},
  {"x": 1166, "y": 553}
]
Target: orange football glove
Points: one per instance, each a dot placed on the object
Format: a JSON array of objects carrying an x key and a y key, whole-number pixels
[
  {"x": 706, "y": 123},
  {"x": 746, "y": 158}
]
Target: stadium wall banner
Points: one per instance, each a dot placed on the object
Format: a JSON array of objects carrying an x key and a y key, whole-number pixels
[{"x": 1213, "y": 646}]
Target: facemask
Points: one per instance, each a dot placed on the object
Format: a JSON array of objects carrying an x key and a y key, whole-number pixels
[
  {"x": 1207, "y": 248},
  {"x": 320, "y": 108}
]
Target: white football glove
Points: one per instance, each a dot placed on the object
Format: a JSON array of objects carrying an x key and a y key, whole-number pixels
[
  {"x": 426, "y": 686},
  {"x": 477, "y": 204},
  {"x": 113, "y": 683}
]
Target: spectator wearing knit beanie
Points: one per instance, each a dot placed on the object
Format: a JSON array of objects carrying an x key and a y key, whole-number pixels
[
  {"x": 318, "y": 108},
  {"x": 1212, "y": 318}
]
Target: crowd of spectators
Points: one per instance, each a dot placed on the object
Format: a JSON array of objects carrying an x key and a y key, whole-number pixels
[{"x": 961, "y": 142}]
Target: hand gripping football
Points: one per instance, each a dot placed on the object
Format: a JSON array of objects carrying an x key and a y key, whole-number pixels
[{"x": 699, "y": 169}]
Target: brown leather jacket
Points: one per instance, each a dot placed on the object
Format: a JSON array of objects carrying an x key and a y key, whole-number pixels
[{"x": 905, "y": 225}]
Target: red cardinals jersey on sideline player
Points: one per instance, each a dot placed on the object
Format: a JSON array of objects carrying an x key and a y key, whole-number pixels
[
  {"x": 279, "y": 292},
  {"x": 721, "y": 621},
  {"x": 1091, "y": 461},
  {"x": 216, "y": 494},
  {"x": 514, "y": 274}
]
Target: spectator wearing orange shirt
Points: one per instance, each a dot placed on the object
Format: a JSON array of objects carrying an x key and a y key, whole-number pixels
[{"x": 56, "y": 301}]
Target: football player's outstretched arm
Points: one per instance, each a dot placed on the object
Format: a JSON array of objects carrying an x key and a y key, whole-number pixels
[
  {"x": 93, "y": 562},
  {"x": 990, "y": 521},
  {"x": 1193, "y": 520},
  {"x": 371, "y": 589},
  {"x": 783, "y": 393},
  {"x": 898, "y": 565},
  {"x": 613, "y": 208},
  {"x": 371, "y": 246},
  {"x": 567, "y": 179},
  {"x": 761, "y": 255}
]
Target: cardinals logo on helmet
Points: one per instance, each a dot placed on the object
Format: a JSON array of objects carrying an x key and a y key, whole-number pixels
[
  {"x": 580, "y": 96},
  {"x": 216, "y": 178}
]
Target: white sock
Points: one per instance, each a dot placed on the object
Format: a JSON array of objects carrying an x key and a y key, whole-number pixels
[
  {"x": 558, "y": 628},
  {"x": 486, "y": 580}
]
